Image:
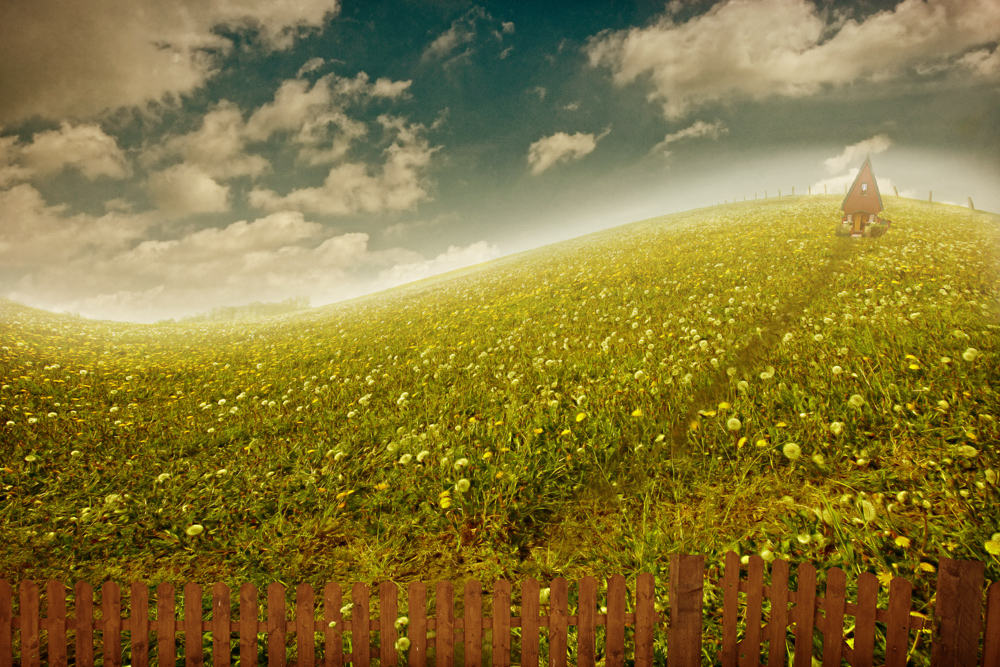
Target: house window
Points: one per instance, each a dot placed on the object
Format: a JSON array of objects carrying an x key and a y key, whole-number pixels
[{"x": 864, "y": 189}]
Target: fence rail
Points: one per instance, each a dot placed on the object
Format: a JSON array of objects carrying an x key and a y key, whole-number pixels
[{"x": 957, "y": 624}]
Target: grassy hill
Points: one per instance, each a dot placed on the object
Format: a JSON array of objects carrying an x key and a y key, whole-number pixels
[{"x": 736, "y": 377}]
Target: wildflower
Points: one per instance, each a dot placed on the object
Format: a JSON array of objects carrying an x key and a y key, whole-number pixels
[
  {"x": 194, "y": 529},
  {"x": 787, "y": 338},
  {"x": 804, "y": 538},
  {"x": 818, "y": 459},
  {"x": 405, "y": 458},
  {"x": 837, "y": 427},
  {"x": 818, "y": 338},
  {"x": 75, "y": 453},
  {"x": 581, "y": 416},
  {"x": 346, "y": 608},
  {"x": 991, "y": 476},
  {"x": 970, "y": 354},
  {"x": 422, "y": 455},
  {"x": 768, "y": 373},
  {"x": 543, "y": 596},
  {"x": 401, "y": 622},
  {"x": 30, "y": 458},
  {"x": 968, "y": 452},
  {"x": 52, "y": 415},
  {"x": 743, "y": 386},
  {"x": 791, "y": 451},
  {"x": 639, "y": 375},
  {"x": 460, "y": 463},
  {"x": 462, "y": 486},
  {"x": 837, "y": 370},
  {"x": 445, "y": 502},
  {"x": 637, "y": 412},
  {"x": 856, "y": 401},
  {"x": 733, "y": 424},
  {"x": 162, "y": 477}
]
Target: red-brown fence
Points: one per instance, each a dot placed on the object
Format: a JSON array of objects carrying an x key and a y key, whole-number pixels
[{"x": 956, "y": 628}]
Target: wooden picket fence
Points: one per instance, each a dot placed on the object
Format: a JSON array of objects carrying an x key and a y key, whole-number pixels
[{"x": 956, "y": 628}]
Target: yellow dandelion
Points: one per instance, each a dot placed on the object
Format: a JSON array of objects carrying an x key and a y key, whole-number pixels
[
  {"x": 637, "y": 412},
  {"x": 581, "y": 416}
]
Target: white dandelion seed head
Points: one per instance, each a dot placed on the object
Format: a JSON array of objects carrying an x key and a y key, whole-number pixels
[{"x": 791, "y": 451}]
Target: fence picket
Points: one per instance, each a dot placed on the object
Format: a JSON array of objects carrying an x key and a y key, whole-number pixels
[
  {"x": 55, "y": 594},
  {"x": 501, "y": 623},
  {"x": 804, "y": 613},
  {"x": 388, "y": 604},
  {"x": 991, "y": 629},
  {"x": 614, "y": 626},
  {"x": 138, "y": 624},
  {"x": 221, "y": 612},
  {"x": 749, "y": 648},
  {"x": 897, "y": 631},
  {"x": 360, "y": 631},
  {"x": 193, "y": 654},
  {"x": 6, "y": 618},
  {"x": 686, "y": 595},
  {"x": 864, "y": 620},
  {"x": 778, "y": 621},
  {"x": 833, "y": 626},
  {"x": 276, "y": 619},
  {"x": 249, "y": 625},
  {"x": 558, "y": 621},
  {"x": 730, "y": 608},
  {"x": 305, "y": 625},
  {"x": 586, "y": 612},
  {"x": 530, "y": 603},
  {"x": 444, "y": 624},
  {"x": 473, "y": 628},
  {"x": 111, "y": 613},
  {"x": 166, "y": 624},
  {"x": 30, "y": 645},
  {"x": 959, "y": 613},
  {"x": 646, "y": 619},
  {"x": 333, "y": 646},
  {"x": 416, "y": 611}
]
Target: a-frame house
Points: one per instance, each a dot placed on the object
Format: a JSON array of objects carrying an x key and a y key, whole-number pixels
[{"x": 863, "y": 202}]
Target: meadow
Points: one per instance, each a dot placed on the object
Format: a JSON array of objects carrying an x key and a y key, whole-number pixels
[{"x": 736, "y": 377}]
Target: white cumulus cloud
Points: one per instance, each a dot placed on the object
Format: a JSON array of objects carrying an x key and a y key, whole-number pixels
[
  {"x": 560, "y": 147},
  {"x": 762, "y": 48},
  {"x": 856, "y": 153},
  {"x": 85, "y": 148},
  {"x": 186, "y": 188},
  {"x": 450, "y": 260}
]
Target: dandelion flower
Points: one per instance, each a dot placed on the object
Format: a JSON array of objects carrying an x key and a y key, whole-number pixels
[
  {"x": 639, "y": 375},
  {"x": 462, "y": 485},
  {"x": 460, "y": 463},
  {"x": 402, "y": 621},
  {"x": 791, "y": 451},
  {"x": 194, "y": 529},
  {"x": 445, "y": 502},
  {"x": 970, "y": 354},
  {"x": 768, "y": 373},
  {"x": 837, "y": 370},
  {"x": 543, "y": 596},
  {"x": 637, "y": 412},
  {"x": 818, "y": 459},
  {"x": 733, "y": 424},
  {"x": 804, "y": 538},
  {"x": 837, "y": 427},
  {"x": 405, "y": 458},
  {"x": 818, "y": 338},
  {"x": 856, "y": 401},
  {"x": 422, "y": 455},
  {"x": 30, "y": 458}
]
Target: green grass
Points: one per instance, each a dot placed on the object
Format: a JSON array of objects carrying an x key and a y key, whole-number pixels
[{"x": 583, "y": 390}]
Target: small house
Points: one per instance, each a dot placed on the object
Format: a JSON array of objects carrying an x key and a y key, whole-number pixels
[{"x": 862, "y": 204}]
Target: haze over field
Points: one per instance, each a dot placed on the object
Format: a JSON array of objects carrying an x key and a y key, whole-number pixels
[{"x": 160, "y": 159}]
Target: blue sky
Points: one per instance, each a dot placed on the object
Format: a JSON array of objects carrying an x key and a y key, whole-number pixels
[{"x": 162, "y": 159}]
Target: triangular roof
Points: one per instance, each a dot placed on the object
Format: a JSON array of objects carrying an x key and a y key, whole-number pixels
[{"x": 865, "y": 175}]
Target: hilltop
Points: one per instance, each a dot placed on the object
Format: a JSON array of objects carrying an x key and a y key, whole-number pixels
[{"x": 735, "y": 377}]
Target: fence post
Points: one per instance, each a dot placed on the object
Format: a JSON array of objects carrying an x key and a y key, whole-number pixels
[
  {"x": 686, "y": 598},
  {"x": 971, "y": 207},
  {"x": 958, "y": 613},
  {"x": 991, "y": 629}
]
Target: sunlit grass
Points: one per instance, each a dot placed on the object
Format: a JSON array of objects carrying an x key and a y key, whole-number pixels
[{"x": 736, "y": 377}]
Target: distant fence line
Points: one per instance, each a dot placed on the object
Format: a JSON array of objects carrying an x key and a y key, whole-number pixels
[
  {"x": 958, "y": 622},
  {"x": 930, "y": 195}
]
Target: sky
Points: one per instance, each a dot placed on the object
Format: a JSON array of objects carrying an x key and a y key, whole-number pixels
[{"x": 161, "y": 159}]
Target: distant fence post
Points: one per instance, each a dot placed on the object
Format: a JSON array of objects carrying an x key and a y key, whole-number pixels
[
  {"x": 930, "y": 195},
  {"x": 971, "y": 207},
  {"x": 958, "y": 613},
  {"x": 686, "y": 598},
  {"x": 896, "y": 190}
]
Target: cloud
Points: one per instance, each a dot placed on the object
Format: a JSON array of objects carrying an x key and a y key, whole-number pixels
[
  {"x": 763, "y": 48},
  {"x": 856, "y": 153},
  {"x": 85, "y": 148},
  {"x": 982, "y": 62},
  {"x": 78, "y": 59},
  {"x": 560, "y": 147},
  {"x": 464, "y": 31},
  {"x": 450, "y": 260},
  {"x": 698, "y": 129},
  {"x": 107, "y": 267},
  {"x": 186, "y": 188},
  {"x": 398, "y": 184},
  {"x": 217, "y": 148}
]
